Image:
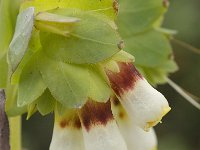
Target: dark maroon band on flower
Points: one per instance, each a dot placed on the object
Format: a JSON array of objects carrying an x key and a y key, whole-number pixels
[
  {"x": 124, "y": 80},
  {"x": 94, "y": 113}
]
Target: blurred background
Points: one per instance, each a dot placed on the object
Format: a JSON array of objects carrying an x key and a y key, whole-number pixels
[{"x": 181, "y": 127}]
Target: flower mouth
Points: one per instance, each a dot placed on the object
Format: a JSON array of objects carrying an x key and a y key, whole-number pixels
[{"x": 158, "y": 120}]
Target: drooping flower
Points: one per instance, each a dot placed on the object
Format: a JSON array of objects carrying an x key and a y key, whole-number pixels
[
  {"x": 135, "y": 137},
  {"x": 144, "y": 104},
  {"x": 67, "y": 133},
  {"x": 100, "y": 126},
  {"x": 95, "y": 126}
]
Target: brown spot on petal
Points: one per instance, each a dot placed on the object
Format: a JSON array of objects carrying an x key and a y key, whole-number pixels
[
  {"x": 115, "y": 101},
  {"x": 70, "y": 121},
  {"x": 94, "y": 113},
  {"x": 121, "y": 114},
  {"x": 116, "y": 6},
  {"x": 77, "y": 123},
  {"x": 124, "y": 80},
  {"x": 63, "y": 123}
]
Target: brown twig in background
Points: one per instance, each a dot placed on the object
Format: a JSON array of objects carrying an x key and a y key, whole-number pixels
[{"x": 4, "y": 125}]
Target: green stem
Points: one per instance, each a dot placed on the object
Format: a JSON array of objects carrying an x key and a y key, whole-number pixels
[{"x": 15, "y": 133}]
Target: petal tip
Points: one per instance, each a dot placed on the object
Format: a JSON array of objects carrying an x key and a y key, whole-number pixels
[{"x": 150, "y": 124}]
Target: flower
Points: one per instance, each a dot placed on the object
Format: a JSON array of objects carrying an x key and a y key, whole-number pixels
[
  {"x": 144, "y": 104},
  {"x": 74, "y": 58},
  {"x": 134, "y": 136},
  {"x": 119, "y": 124},
  {"x": 96, "y": 127}
]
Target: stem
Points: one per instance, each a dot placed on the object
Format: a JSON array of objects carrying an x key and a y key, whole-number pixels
[
  {"x": 183, "y": 93},
  {"x": 15, "y": 133},
  {"x": 187, "y": 46},
  {"x": 4, "y": 125}
]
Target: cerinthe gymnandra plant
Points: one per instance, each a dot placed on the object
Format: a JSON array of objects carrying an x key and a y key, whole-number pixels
[{"x": 68, "y": 57}]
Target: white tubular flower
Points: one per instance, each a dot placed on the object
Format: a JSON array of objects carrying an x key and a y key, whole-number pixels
[
  {"x": 144, "y": 104},
  {"x": 135, "y": 137},
  {"x": 67, "y": 134},
  {"x": 99, "y": 128}
]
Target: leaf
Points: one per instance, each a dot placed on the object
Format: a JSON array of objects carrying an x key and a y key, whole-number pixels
[
  {"x": 46, "y": 103},
  {"x": 138, "y": 15},
  {"x": 54, "y": 18},
  {"x": 123, "y": 56},
  {"x": 34, "y": 46},
  {"x": 159, "y": 74},
  {"x": 92, "y": 40},
  {"x": 20, "y": 41},
  {"x": 31, "y": 85},
  {"x": 31, "y": 110},
  {"x": 107, "y": 7},
  {"x": 150, "y": 48},
  {"x": 138, "y": 22},
  {"x": 99, "y": 89},
  {"x": 68, "y": 83},
  {"x": 54, "y": 23}
]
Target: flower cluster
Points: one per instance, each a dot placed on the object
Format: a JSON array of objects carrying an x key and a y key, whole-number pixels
[
  {"x": 119, "y": 123},
  {"x": 67, "y": 57}
]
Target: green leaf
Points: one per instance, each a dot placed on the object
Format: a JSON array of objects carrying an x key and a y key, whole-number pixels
[
  {"x": 54, "y": 23},
  {"x": 107, "y": 7},
  {"x": 123, "y": 56},
  {"x": 54, "y": 18},
  {"x": 46, "y": 103},
  {"x": 20, "y": 41},
  {"x": 153, "y": 54},
  {"x": 138, "y": 15},
  {"x": 31, "y": 85},
  {"x": 34, "y": 46},
  {"x": 31, "y": 109},
  {"x": 159, "y": 74},
  {"x": 68, "y": 83},
  {"x": 138, "y": 21},
  {"x": 92, "y": 40},
  {"x": 150, "y": 49},
  {"x": 99, "y": 89}
]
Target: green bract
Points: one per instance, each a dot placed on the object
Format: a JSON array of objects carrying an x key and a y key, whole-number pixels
[
  {"x": 59, "y": 49},
  {"x": 92, "y": 40},
  {"x": 138, "y": 22},
  {"x": 21, "y": 38},
  {"x": 31, "y": 85},
  {"x": 55, "y": 55},
  {"x": 106, "y": 7},
  {"x": 45, "y": 103}
]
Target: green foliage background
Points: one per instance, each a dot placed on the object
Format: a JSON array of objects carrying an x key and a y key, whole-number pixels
[{"x": 181, "y": 127}]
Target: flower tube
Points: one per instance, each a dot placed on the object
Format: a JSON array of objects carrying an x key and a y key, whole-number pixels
[
  {"x": 99, "y": 128},
  {"x": 144, "y": 104},
  {"x": 67, "y": 133},
  {"x": 134, "y": 136}
]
